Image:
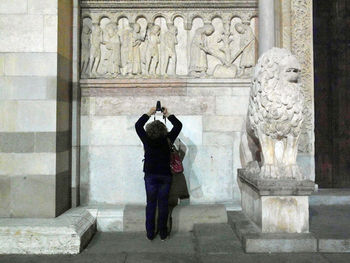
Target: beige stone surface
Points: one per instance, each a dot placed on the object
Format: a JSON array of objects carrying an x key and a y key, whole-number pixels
[
  {"x": 42, "y": 6},
  {"x": 27, "y": 163},
  {"x": 23, "y": 88},
  {"x": 31, "y": 64},
  {"x": 285, "y": 214},
  {"x": 231, "y": 105},
  {"x": 223, "y": 123},
  {"x": 13, "y": 6},
  {"x": 217, "y": 138},
  {"x": 2, "y": 64},
  {"x": 8, "y": 115},
  {"x": 21, "y": 33},
  {"x": 50, "y": 33},
  {"x": 5, "y": 190},
  {"x": 36, "y": 116},
  {"x": 27, "y": 190}
]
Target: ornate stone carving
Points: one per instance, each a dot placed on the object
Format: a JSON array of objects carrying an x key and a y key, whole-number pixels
[
  {"x": 275, "y": 116},
  {"x": 85, "y": 50},
  {"x": 247, "y": 49},
  {"x": 302, "y": 47},
  {"x": 152, "y": 50},
  {"x": 199, "y": 50},
  {"x": 97, "y": 40},
  {"x": 112, "y": 42},
  {"x": 168, "y": 51},
  {"x": 150, "y": 41}
]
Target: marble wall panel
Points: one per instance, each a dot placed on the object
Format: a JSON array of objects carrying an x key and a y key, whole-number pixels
[
  {"x": 50, "y": 33},
  {"x": 223, "y": 123},
  {"x": 31, "y": 195},
  {"x": 115, "y": 175},
  {"x": 42, "y": 6},
  {"x": 233, "y": 105},
  {"x": 8, "y": 115},
  {"x": 5, "y": 195},
  {"x": 210, "y": 174},
  {"x": 21, "y": 33},
  {"x": 23, "y": 88},
  {"x": 31, "y": 64},
  {"x": 36, "y": 116},
  {"x": 27, "y": 163},
  {"x": 2, "y": 64},
  {"x": 13, "y": 6}
]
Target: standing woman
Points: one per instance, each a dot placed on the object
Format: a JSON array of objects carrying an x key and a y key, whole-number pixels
[{"x": 156, "y": 167}]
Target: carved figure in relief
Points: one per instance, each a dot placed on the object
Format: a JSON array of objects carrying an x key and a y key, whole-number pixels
[
  {"x": 136, "y": 40},
  {"x": 112, "y": 42},
  {"x": 85, "y": 50},
  {"x": 152, "y": 50},
  {"x": 247, "y": 49},
  {"x": 199, "y": 50},
  {"x": 168, "y": 51},
  {"x": 97, "y": 39},
  {"x": 227, "y": 69},
  {"x": 126, "y": 50},
  {"x": 274, "y": 118}
]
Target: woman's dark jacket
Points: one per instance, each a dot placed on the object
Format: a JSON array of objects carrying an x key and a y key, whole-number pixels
[{"x": 157, "y": 152}]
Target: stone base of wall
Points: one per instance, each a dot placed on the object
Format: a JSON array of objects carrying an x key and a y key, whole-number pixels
[{"x": 66, "y": 234}]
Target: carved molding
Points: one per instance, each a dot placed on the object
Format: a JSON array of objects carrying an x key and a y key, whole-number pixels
[
  {"x": 178, "y": 4},
  {"x": 143, "y": 39},
  {"x": 302, "y": 47}
]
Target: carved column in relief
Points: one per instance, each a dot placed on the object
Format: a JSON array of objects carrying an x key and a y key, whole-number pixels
[{"x": 302, "y": 47}]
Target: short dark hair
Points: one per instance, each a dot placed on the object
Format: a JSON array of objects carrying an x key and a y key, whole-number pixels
[{"x": 156, "y": 129}]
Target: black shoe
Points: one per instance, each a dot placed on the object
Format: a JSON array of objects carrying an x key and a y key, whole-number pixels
[
  {"x": 163, "y": 236},
  {"x": 150, "y": 237}
]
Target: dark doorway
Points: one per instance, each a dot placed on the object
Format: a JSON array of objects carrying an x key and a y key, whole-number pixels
[{"x": 332, "y": 89}]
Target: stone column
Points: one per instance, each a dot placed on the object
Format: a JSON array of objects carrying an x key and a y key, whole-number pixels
[
  {"x": 35, "y": 106},
  {"x": 266, "y": 25}
]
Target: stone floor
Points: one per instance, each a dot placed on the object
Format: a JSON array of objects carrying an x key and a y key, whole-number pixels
[{"x": 206, "y": 243}]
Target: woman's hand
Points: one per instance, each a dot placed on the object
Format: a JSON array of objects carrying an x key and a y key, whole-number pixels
[
  {"x": 151, "y": 111},
  {"x": 165, "y": 112}
]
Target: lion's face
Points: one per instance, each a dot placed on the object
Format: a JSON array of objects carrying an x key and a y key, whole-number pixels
[{"x": 290, "y": 69}]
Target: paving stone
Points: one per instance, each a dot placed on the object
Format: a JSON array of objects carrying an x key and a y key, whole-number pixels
[
  {"x": 110, "y": 243},
  {"x": 160, "y": 257},
  {"x": 216, "y": 239}
]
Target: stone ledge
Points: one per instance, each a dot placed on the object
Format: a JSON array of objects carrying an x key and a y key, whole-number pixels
[
  {"x": 67, "y": 234},
  {"x": 253, "y": 241},
  {"x": 184, "y": 217},
  {"x": 279, "y": 187}
]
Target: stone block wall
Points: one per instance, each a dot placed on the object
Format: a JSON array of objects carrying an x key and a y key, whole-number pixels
[
  {"x": 35, "y": 81},
  {"x": 212, "y": 113}
]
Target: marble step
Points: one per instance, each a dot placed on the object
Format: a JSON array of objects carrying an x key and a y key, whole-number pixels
[
  {"x": 330, "y": 197},
  {"x": 131, "y": 218}
]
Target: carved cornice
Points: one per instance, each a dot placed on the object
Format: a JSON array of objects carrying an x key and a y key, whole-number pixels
[{"x": 166, "y": 4}]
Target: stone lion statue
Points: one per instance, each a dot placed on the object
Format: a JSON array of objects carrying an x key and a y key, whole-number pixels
[{"x": 269, "y": 143}]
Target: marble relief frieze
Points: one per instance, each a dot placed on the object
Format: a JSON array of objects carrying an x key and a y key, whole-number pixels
[{"x": 168, "y": 43}]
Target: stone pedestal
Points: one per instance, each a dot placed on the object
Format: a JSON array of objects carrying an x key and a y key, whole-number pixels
[{"x": 276, "y": 206}]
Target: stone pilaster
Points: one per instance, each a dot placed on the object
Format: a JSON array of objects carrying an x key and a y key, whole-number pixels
[
  {"x": 35, "y": 81},
  {"x": 266, "y": 25}
]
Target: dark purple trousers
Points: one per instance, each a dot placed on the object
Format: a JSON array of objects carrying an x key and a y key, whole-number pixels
[{"x": 157, "y": 191}]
